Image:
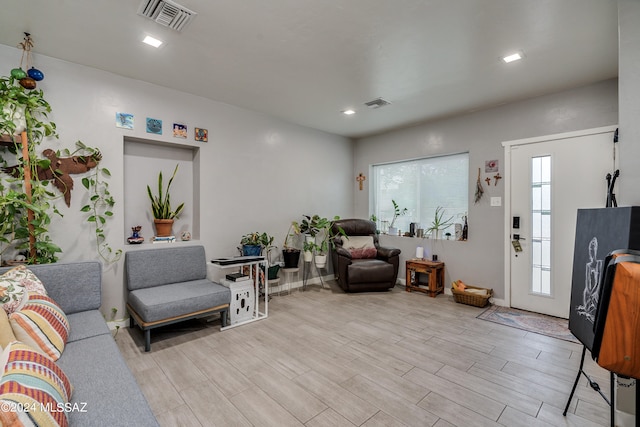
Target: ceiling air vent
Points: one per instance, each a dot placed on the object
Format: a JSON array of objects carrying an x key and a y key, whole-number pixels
[
  {"x": 377, "y": 103},
  {"x": 167, "y": 13}
]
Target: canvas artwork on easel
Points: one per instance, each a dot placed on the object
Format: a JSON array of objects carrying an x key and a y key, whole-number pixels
[{"x": 598, "y": 232}]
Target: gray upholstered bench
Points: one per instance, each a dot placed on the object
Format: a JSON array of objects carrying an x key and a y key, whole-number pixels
[{"x": 169, "y": 285}]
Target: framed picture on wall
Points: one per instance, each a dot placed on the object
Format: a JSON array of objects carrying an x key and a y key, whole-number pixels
[
  {"x": 202, "y": 135},
  {"x": 154, "y": 126},
  {"x": 124, "y": 120},
  {"x": 179, "y": 130},
  {"x": 491, "y": 166}
]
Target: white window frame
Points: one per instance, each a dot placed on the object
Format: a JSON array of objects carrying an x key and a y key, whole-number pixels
[{"x": 418, "y": 211}]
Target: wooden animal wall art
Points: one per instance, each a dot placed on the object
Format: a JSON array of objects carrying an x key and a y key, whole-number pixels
[{"x": 60, "y": 170}]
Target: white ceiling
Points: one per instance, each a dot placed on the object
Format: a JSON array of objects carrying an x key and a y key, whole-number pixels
[{"x": 306, "y": 60}]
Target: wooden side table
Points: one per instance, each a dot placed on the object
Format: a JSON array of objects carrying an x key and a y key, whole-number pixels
[{"x": 435, "y": 272}]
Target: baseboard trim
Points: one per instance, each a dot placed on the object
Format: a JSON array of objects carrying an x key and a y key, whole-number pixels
[
  {"x": 120, "y": 323},
  {"x": 298, "y": 284}
]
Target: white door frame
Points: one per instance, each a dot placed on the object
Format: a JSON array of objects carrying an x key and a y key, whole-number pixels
[{"x": 507, "y": 191}]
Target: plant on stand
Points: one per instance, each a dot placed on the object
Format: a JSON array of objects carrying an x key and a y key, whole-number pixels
[
  {"x": 291, "y": 254},
  {"x": 309, "y": 226},
  {"x": 26, "y": 212},
  {"x": 325, "y": 228},
  {"x": 163, "y": 214},
  {"x": 396, "y": 213},
  {"x": 307, "y": 249}
]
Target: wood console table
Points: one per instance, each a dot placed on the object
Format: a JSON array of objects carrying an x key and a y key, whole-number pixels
[{"x": 435, "y": 272}]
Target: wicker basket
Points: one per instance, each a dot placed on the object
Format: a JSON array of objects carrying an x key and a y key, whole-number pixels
[{"x": 471, "y": 299}]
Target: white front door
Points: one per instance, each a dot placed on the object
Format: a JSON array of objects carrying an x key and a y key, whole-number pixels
[{"x": 550, "y": 179}]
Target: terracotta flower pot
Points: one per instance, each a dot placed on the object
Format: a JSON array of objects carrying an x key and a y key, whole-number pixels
[{"x": 163, "y": 227}]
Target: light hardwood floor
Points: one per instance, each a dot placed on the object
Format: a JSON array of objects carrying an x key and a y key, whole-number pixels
[{"x": 326, "y": 358}]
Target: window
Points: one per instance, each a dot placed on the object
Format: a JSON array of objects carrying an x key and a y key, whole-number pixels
[
  {"x": 421, "y": 186},
  {"x": 541, "y": 225}
]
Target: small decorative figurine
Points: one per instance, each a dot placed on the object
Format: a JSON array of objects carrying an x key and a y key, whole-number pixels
[
  {"x": 135, "y": 238},
  {"x": 185, "y": 236}
]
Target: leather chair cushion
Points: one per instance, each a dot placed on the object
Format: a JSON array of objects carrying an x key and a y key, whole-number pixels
[{"x": 369, "y": 271}]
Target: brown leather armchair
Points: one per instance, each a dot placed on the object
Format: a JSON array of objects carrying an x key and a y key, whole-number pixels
[{"x": 363, "y": 268}]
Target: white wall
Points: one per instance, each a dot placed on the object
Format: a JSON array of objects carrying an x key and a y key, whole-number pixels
[
  {"x": 629, "y": 87},
  {"x": 627, "y": 189},
  {"x": 257, "y": 173},
  {"x": 480, "y": 260}
]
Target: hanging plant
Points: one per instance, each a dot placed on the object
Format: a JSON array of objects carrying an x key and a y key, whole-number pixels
[
  {"x": 26, "y": 201},
  {"x": 101, "y": 201}
]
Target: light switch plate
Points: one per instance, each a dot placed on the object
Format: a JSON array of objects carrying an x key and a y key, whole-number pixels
[{"x": 496, "y": 201}]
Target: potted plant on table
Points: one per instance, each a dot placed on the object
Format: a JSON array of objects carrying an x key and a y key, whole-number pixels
[
  {"x": 163, "y": 214},
  {"x": 254, "y": 243}
]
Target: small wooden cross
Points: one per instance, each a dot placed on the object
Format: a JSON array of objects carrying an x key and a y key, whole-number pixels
[
  {"x": 497, "y": 178},
  {"x": 360, "y": 178},
  {"x": 488, "y": 180}
]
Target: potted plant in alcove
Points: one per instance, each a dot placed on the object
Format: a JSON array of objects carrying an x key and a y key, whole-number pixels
[{"x": 163, "y": 214}]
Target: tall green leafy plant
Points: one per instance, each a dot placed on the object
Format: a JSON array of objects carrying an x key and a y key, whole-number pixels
[
  {"x": 28, "y": 214},
  {"x": 161, "y": 203},
  {"x": 397, "y": 212}
]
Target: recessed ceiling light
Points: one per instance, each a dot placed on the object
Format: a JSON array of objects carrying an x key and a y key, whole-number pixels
[
  {"x": 348, "y": 112},
  {"x": 513, "y": 57},
  {"x": 151, "y": 41}
]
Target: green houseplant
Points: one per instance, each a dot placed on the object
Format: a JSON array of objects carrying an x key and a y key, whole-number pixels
[
  {"x": 163, "y": 214},
  {"x": 307, "y": 249},
  {"x": 26, "y": 200},
  {"x": 311, "y": 225},
  {"x": 325, "y": 230},
  {"x": 439, "y": 223},
  {"x": 290, "y": 253},
  {"x": 26, "y": 212},
  {"x": 396, "y": 213},
  {"x": 253, "y": 244}
]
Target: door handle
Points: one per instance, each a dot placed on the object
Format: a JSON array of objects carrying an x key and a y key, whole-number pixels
[{"x": 517, "y": 247}]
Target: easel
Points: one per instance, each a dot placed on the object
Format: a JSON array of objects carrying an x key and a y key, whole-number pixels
[
  {"x": 594, "y": 385},
  {"x": 600, "y": 327}
]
